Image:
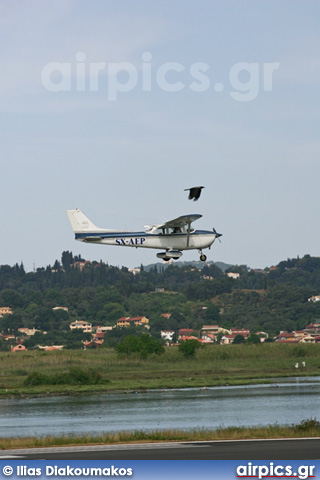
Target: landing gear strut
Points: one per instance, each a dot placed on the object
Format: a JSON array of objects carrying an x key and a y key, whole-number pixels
[{"x": 203, "y": 257}]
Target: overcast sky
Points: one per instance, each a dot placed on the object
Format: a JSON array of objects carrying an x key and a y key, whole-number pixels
[{"x": 115, "y": 107}]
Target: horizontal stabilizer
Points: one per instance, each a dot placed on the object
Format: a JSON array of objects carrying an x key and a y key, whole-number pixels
[{"x": 92, "y": 239}]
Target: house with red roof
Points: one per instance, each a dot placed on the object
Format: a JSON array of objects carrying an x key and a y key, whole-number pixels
[
  {"x": 132, "y": 322},
  {"x": 240, "y": 331},
  {"x": 18, "y": 348},
  {"x": 185, "y": 332},
  {"x": 286, "y": 337}
]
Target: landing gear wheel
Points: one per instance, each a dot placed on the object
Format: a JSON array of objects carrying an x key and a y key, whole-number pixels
[{"x": 203, "y": 258}]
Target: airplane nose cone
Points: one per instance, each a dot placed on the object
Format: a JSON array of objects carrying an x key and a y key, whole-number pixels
[{"x": 216, "y": 233}]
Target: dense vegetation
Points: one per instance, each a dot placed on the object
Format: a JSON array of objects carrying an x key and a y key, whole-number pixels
[{"x": 270, "y": 300}]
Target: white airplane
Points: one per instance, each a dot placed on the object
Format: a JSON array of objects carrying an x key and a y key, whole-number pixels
[{"x": 173, "y": 236}]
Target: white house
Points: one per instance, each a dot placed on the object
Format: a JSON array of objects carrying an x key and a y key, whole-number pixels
[
  {"x": 315, "y": 298},
  {"x": 81, "y": 325},
  {"x": 103, "y": 329},
  {"x": 233, "y": 275},
  {"x": 167, "y": 335},
  {"x": 28, "y": 331}
]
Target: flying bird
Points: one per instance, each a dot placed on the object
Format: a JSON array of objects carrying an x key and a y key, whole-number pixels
[{"x": 194, "y": 192}]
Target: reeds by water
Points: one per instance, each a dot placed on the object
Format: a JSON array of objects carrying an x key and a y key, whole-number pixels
[{"x": 307, "y": 428}]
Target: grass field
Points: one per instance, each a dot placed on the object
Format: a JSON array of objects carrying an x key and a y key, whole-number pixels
[{"x": 213, "y": 365}]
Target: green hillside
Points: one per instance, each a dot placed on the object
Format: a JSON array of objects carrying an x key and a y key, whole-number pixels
[{"x": 271, "y": 300}]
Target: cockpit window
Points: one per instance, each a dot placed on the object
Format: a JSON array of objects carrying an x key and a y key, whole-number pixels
[{"x": 170, "y": 230}]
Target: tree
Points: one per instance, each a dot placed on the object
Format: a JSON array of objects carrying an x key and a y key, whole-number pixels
[
  {"x": 239, "y": 339},
  {"x": 254, "y": 338},
  {"x": 66, "y": 259},
  {"x": 188, "y": 348},
  {"x": 110, "y": 313},
  {"x": 12, "y": 298},
  {"x": 11, "y": 323},
  {"x": 144, "y": 346},
  {"x": 219, "y": 336}
]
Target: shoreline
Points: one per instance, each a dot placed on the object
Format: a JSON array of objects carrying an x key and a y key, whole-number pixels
[
  {"x": 26, "y": 393},
  {"x": 306, "y": 429}
]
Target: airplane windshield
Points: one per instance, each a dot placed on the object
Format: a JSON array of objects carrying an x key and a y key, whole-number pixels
[
  {"x": 177, "y": 230},
  {"x": 171, "y": 230}
]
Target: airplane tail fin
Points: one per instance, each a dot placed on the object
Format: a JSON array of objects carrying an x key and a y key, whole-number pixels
[{"x": 79, "y": 222}]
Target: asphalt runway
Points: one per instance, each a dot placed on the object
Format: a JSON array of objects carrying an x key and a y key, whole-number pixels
[{"x": 289, "y": 449}]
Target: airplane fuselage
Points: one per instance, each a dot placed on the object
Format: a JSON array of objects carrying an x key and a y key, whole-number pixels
[
  {"x": 198, "y": 239},
  {"x": 172, "y": 236}
]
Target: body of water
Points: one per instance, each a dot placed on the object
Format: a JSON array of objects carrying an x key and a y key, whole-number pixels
[{"x": 286, "y": 402}]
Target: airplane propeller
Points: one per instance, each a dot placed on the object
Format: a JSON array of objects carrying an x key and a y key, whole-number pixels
[{"x": 217, "y": 234}]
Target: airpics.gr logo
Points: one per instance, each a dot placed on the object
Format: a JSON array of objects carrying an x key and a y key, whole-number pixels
[
  {"x": 245, "y": 79},
  {"x": 302, "y": 472}
]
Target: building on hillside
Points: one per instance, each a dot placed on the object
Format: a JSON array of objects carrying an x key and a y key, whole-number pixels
[
  {"x": 240, "y": 331},
  {"x": 209, "y": 337},
  {"x": 315, "y": 298},
  {"x": 313, "y": 328},
  {"x": 186, "y": 332},
  {"x": 286, "y": 337},
  {"x": 166, "y": 315},
  {"x": 8, "y": 337},
  {"x": 50, "y": 348},
  {"x": 183, "y": 338},
  {"x": 227, "y": 339},
  {"x": 134, "y": 271},
  {"x": 81, "y": 325},
  {"x": 103, "y": 329},
  {"x": 18, "y": 348},
  {"x": 300, "y": 333},
  {"x": 263, "y": 336},
  {"x": 215, "y": 329},
  {"x": 132, "y": 322},
  {"x": 308, "y": 339},
  {"x": 233, "y": 275},
  {"x": 5, "y": 311},
  {"x": 98, "y": 338},
  {"x": 81, "y": 265},
  {"x": 167, "y": 335},
  {"x": 206, "y": 340},
  {"x": 28, "y": 331},
  {"x": 66, "y": 309}
]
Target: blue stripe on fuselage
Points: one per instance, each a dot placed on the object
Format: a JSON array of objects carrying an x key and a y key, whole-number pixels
[{"x": 137, "y": 234}]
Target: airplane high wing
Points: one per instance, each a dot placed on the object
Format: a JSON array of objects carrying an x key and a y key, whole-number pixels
[
  {"x": 180, "y": 222},
  {"x": 172, "y": 236},
  {"x": 184, "y": 220}
]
